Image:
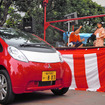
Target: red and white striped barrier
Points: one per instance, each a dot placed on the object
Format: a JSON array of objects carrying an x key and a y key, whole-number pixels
[{"x": 88, "y": 68}]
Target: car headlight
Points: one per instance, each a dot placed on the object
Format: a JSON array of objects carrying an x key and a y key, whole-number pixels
[
  {"x": 17, "y": 54},
  {"x": 60, "y": 56}
]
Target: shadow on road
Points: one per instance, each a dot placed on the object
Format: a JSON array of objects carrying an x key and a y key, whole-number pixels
[{"x": 33, "y": 97}]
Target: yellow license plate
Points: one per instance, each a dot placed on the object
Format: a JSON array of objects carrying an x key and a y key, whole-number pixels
[{"x": 49, "y": 76}]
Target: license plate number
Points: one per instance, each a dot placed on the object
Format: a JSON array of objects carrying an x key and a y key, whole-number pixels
[{"x": 49, "y": 76}]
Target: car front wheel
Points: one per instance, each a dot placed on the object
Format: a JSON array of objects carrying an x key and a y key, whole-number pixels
[
  {"x": 6, "y": 94},
  {"x": 60, "y": 91}
]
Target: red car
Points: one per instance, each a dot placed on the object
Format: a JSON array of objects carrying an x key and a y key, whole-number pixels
[{"x": 28, "y": 64}]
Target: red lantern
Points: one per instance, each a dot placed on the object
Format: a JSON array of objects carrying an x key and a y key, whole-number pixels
[{"x": 45, "y": 1}]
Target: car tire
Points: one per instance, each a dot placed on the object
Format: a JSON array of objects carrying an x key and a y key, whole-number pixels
[
  {"x": 6, "y": 93},
  {"x": 60, "y": 91}
]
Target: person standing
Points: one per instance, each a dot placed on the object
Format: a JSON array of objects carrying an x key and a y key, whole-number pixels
[{"x": 100, "y": 35}]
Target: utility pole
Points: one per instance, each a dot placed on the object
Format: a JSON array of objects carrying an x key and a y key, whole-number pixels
[
  {"x": 68, "y": 25},
  {"x": 45, "y": 6}
]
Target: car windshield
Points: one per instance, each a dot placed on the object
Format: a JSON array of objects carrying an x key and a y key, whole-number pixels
[{"x": 22, "y": 40}]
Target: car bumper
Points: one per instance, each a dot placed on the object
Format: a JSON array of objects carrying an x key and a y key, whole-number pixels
[{"x": 25, "y": 77}]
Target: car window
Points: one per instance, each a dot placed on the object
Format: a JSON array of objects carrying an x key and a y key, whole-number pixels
[{"x": 23, "y": 40}]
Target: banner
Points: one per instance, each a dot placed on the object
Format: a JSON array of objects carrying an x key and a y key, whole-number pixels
[{"x": 88, "y": 68}]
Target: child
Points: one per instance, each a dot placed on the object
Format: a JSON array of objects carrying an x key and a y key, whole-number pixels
[{"x": 75, "y": 38}]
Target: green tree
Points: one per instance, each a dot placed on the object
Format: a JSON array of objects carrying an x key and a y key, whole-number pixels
[
  {"x": 14, "y": 19},
  {"x": 56, "y": 9},
  {"x": 87, "y": 8},
  {"x": 21, "y": 5},
  {"x": 4, "y": 7}
]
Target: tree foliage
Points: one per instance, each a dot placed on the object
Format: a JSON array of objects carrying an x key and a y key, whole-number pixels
[
  {"x": 56, "y": 9},
  {"x": 4, "y": 7},
  {"x": 14, "y": 19}
]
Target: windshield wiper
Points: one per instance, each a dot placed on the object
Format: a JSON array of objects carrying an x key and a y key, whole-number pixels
[{"x": 41, "y": 45}]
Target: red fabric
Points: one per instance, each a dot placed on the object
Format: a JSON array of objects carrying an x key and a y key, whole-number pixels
[
  {"x": 79, "y": 69},
  {"x": 101, "y": 70},
  {"x": 89, "y": 68}
]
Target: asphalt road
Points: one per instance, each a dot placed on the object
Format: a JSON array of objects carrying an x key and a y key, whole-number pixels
[{"x": 70, "y": 98}]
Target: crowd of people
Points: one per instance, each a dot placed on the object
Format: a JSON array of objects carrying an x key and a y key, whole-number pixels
[{"x": 99, "y": 35}]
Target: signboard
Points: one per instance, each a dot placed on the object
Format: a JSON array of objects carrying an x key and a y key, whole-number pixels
[
  {"x": 29, "y": 24},
  {"x": 70, "y": 16}
]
